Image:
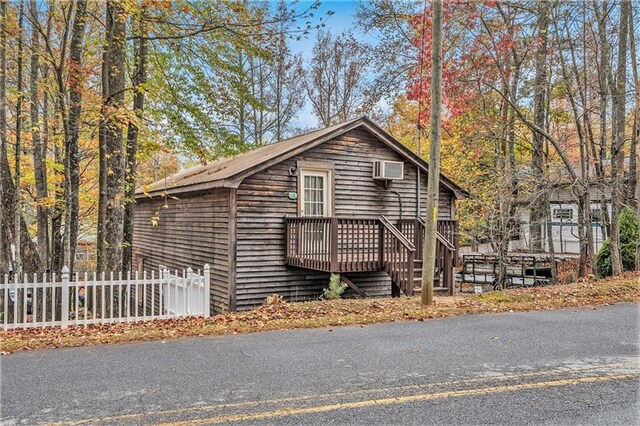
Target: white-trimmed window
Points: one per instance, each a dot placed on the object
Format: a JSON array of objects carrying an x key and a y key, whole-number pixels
[
  {"x": 563, "y": 214},
  {"x": 316, "y": 192}
]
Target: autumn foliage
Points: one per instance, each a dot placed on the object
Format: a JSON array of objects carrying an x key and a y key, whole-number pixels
[{"x": 332, "y": 313}]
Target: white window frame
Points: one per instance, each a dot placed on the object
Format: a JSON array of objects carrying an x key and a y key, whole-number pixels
[
  {"x": 327, "y": 188},
  {"x": 558, "y": 213}
]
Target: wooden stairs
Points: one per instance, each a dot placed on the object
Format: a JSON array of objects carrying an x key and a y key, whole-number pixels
[
  {"x": 417, "y": 280},
  {"x": 349, "y": 244}
]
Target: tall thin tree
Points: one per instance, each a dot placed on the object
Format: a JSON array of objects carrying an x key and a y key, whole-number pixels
[
  {"x": 72, "y": 164},
  {"x": 4, "y": 233},
  {"x": 133, "y": 131},
  {"x": 18, "y": 147},
  {"x": 39, "y": 166},
  {"x": 617, "y": 145},
  {"x": 537, "y": 164},
  {"x": 112, "y": 150}
]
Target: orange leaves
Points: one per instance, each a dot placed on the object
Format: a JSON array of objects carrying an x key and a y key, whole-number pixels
[{"x": 318, "y": 314}]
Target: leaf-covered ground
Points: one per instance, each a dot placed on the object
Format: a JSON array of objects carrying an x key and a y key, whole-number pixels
[{"x": 285, "y": 316}]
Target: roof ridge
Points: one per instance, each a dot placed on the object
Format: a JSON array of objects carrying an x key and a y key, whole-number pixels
[{"x": 183, "y": 177}]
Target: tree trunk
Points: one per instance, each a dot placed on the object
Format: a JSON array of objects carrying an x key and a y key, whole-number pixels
[
  {"x": 552, "y": 249},
  {"x": 27, "y": 259},
  {"x": 114, "y": 58},
  {"x": 40, "y": 170},
  {"x": 581, "y": 188},
  {"x": 72, "y": 165},
  {"x": 57, "y": 240},
  {"x": 603, "y": 89},
  {"x": 102, "y": 161},
  {"x": 617, "y": 146},
  {"x": 433, "y": 183},
  {"x": 4, "y": 179},
  {"x": 538, "y": 207},
  {"x": 635, "y": 137},
  {"x": 17, "y": 267},
  {"x": 634, "y": 160},
  {"x": 139, "y": 79}
]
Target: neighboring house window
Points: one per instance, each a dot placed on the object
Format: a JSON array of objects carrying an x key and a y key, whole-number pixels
[
  {"x": 596, "y": 215},
  {"x": 563, "y": 214}
]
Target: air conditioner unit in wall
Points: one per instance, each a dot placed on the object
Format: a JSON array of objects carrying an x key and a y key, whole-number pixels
[{"x": 388, "y": 170}]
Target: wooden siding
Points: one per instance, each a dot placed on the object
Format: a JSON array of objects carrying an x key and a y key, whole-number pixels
[
  {"x": 191, "y": 231},
  {"x": 263, "y": 200}
]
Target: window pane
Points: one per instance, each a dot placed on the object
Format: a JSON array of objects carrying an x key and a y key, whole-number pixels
[{"x": 313, "y": 190}]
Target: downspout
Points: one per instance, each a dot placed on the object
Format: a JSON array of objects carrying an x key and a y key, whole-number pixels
[{"x": 418, "y": 193}]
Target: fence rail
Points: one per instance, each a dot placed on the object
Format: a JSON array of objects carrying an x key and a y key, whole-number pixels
[{"x": 60, "y": 300}]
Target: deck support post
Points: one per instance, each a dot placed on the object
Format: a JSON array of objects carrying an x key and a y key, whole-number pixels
[
  {"x": 334, "y": 244},
  {"x": 380, "y": 245}
]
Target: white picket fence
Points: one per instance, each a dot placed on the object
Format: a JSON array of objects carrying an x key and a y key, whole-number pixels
[{"x": 84, "y": 299}]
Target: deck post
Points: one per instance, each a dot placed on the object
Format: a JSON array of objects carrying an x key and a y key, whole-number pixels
[
  {"x": 410, "y": 278},
  {"x": 287, "y": 238},
  {"x": 417, "y": 241},
  {"x": 450, "y": 271},
  {"x": 380, "y": 245},
  {"x": 334, "y": 244}
]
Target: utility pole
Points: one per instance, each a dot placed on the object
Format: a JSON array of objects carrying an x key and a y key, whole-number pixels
[{"x": 431, "y": 209}]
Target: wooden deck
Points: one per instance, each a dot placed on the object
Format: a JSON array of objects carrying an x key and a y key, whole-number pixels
[{"x": 366, "y": 244}]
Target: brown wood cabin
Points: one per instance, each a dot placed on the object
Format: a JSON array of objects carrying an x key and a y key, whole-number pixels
[{"x": 281, "y": 218}]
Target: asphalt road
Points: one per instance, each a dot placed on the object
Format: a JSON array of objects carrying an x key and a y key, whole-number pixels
[{"x": 579, "y": 366}]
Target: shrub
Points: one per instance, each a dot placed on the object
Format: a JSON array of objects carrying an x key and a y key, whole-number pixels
[
  {"x": 335, "y": 289},
  {"x": 628, "y": 241}
]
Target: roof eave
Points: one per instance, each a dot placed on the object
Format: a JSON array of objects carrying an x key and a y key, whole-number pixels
[{"x": 236, "y": 179}]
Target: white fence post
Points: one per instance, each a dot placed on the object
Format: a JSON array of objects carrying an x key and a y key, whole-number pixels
[
  {"x": 188, "y": 292},
  {"x": 65, "y": 298},
  {"x": 207, "y": 293},
  {"x": 164, "y": 301}
]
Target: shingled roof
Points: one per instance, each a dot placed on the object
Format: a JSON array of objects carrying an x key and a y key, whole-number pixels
[{"x": 229, "y": 172}]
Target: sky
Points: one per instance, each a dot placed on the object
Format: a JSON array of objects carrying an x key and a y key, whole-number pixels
[{"x": 343, "y": 19}]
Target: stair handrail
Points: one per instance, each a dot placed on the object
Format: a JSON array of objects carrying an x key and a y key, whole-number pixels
[
  {"x": 396, "y": 233},
  {"x": 448, "y": 244},
  {"x": 399, "y": 264}
]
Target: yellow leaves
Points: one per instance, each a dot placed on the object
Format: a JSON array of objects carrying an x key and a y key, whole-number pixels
[
  {"x": 283, "y": 316},
  {"x": 155, "y": 219}
]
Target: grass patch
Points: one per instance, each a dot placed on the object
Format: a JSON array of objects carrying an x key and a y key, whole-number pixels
[
  {"x": 331, "y": 313},
  {"x": 505, "y": 297}
]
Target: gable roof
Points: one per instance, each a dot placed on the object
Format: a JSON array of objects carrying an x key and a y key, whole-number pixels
[{"x": 229, "y": 172}]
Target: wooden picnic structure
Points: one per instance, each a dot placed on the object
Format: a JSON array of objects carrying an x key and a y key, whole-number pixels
[
  {"x": 281, "y": 218},
  {"x": 521, "y": 270}
]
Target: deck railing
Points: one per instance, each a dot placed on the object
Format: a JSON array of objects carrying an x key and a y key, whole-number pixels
[
  {"x": 446, "y": 245},
  {"x": 448, "y": 229},
  {"x": 399, "y": 257},
  {"x": 350, "y": 244}
]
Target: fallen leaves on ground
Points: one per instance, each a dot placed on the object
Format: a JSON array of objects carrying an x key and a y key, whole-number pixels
[{"x": 285, "y": 316}]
